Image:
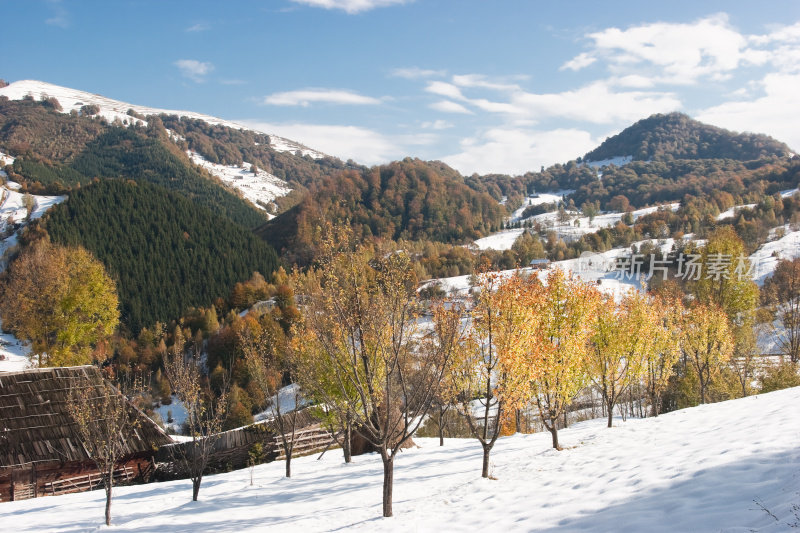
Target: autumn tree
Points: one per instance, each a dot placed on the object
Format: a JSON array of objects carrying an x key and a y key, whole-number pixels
[
  {"x": 783, "y": 290},
  {"x": 360, "y": 325},
  {"x": 62, "y": 300},
  {"x": 205, "y": 413},
  {"x": 447, "y": 341},
  {"x": 725, "y": 277},
  {"x": 266, "y": 353},
  {"x": 102, "y": 415},
  {"x": 563, "y": 311},
  {"x": 493, "y": 372},
  {"x": 619, "y": 350},
  {"x": 666, "y": 335},
  {"x": 707, "y": 343}
]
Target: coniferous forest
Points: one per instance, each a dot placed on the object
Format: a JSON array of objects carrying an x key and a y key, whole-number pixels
[{"x": 165, "y": 252}]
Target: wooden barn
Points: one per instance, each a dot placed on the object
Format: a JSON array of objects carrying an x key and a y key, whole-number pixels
[{"x": 40, "y": 450}]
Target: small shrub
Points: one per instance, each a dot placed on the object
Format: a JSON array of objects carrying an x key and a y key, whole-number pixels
[{"x": 780, "y": 376}]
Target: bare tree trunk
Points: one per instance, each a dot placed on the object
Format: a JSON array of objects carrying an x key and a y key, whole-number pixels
[
  {"x": 288, "y": 465},
  {"x": 196, "y": 487},
  {"x": 487, "y": 449},
  {"x": 610, "y": 416},
  {"x": 109, "y": 486},
  {"x": 441, "y": 425},
  {"x": 553, "y": 429},
  {"x": 348, "y": 435},
  {"x": 702, "y": 388},
  {"x": 518, "y": 420},
  {"x": 388, "y": 480}
]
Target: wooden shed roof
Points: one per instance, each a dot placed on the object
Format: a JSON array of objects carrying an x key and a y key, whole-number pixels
[{"x": 35, "y": 426}]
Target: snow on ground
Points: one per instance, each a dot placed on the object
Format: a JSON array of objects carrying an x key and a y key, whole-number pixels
[
  {"x": 112, "y": 109},
  {"x": 261, "y": 188},
  {"x": 502, "y": 240},
  {"x": 286, "y": 395},
  {"x": 732, "y": 211},
  {"x": 178, "y": 411},
  {"x": 698, "y": 469},
  {"x": 766, "y": 258},
  {"x": 13, "y": 353},
  {"x": 571, "y": 229},
  {"x": 538, "y": 199},
  {"x": 5, "y": 159},
  {"x": 618, "y": 161},
  {"x": 591, "y": 267}
]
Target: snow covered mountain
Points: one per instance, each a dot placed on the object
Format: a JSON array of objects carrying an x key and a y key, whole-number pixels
[{"x": 114, "y": 109}]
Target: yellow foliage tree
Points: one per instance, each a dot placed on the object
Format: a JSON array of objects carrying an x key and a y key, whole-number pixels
[
  {"x": 619, "y": 350},
  {"x": 359, "y": 326},
  {"x": 563, "y": 312},
  {"x": 62, "y": 300},
  {"x": 666, "y": 333},
  {"x": 707, "y": 342},
  {"x": 494, "y": 376}
]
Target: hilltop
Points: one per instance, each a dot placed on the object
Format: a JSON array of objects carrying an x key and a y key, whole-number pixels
[{"x": 678, "y": 136}]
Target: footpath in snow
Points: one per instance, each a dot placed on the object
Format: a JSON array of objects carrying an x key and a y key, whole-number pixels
[{"x": 697, "y": 470}]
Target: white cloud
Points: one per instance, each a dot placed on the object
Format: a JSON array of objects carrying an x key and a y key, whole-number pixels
[
  {"x": 351, "y": 6},
  {"x": 60, "y": 16},
  {"x": 413, "y": 73},
  {"x": 443, "y": 88},
  {"x": 200, "y": 26},
  {"x": 481, "y": 81},
  {"x": 437, "y": 125},
  {"x": 363, "y": 145},
  {"x": 579, "y": 62},
  {"x": 776, "y": 113},
  {"x": 515, "y": 151},
  {"x": 306, "y": 97},
  {"x": 446, "y": 106},
  {"x": 193, "y": 69},
  {"x": 687, "y": 53},
  {"x": 632, "y": 81},
  {"x": 595, "y": 103},
  {"x": 682, "y": 53}
]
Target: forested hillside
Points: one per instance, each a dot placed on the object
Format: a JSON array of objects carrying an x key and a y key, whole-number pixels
[
  {"x": 56, "y": 153},
  {"x": 677, "y": 136},
  {"x": 166, "y": 253},
  {"x": 409, "y": 199},
  {"x": 674, "y": 157}
]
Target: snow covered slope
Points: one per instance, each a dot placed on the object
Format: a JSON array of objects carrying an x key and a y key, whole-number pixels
[
  {"x": 766, "y": 258},
  {"x": 260, "y": 188},
  {"x": 697, "y": 470},
  {"x": 111, "y": 109},
  {"x": 571, "y": 229}
]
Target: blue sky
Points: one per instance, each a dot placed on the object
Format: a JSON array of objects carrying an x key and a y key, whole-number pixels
[{"x": 486, "y": 86}]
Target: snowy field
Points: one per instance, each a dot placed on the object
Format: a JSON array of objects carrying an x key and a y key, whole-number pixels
[
  {"x": 502, "y": 240},
  {"x": 766, "y": 258},
  {"x": 698, "y": 469},
  {"x": 569, "y": 230},
  {"x": 538, "y": 199},
  {"x": 113, "y": 109},
  {"x": 260, "y": 188}
]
